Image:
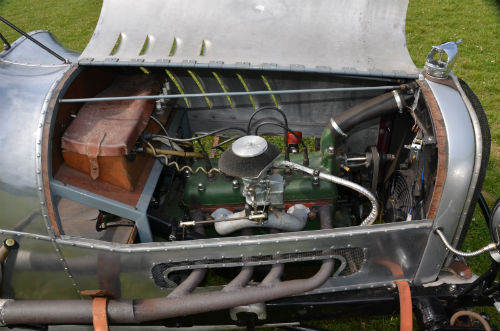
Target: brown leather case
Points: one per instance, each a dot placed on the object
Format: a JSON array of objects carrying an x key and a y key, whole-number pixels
[{"x": 103, "y": 133}]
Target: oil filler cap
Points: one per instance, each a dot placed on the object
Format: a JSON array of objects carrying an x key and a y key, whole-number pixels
[{"x": 248, "y": 157}]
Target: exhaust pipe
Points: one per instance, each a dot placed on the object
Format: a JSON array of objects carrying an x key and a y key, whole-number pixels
[{"x": 66, "y": 312}]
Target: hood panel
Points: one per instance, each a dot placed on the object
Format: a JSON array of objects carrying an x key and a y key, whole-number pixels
[{"x": 342, "y": 36}]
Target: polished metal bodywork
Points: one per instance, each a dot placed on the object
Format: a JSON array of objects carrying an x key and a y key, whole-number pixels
[
  {"x": 28, "y": 76},
  {"x": 319, "y": 36},
  {"x": 61, "y": 266}
]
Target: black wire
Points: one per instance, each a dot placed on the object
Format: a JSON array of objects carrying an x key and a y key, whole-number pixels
[
  {"x": 202, "y": 136},
  {"x": 5, "y": 42},
  {"x": 268, "y": 108},
  {"x": 285, "y": 137},
  {"x": 226, "y": 141},
  {"x": 39, "y": 44},
  {"x": 304, "y": 147}
]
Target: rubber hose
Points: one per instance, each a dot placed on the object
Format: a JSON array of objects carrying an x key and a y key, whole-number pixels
[{"x": 385, "y": 104}]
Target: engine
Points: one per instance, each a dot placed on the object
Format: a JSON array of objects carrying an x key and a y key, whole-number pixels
[{"x": 234, "y": 179}]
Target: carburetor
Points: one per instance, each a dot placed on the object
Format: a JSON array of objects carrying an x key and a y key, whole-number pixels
[{"x": 250, "y": 158}]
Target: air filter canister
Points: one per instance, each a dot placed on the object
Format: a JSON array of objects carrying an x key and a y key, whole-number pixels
[{"x": 248, "y": 157}]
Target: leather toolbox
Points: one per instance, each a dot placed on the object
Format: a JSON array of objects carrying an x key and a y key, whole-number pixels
[{"x": 99, "y": 140}]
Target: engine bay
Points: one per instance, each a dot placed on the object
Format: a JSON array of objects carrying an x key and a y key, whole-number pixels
[{"x": 266, "y": 176}]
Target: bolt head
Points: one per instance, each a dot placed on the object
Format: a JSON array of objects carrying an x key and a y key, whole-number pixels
[
  {"x": 330, "y": 150},
  {"x": 201, "y": 187},
  {"x": 10, "y": 242},
  {"x": 315, "y": 180}
]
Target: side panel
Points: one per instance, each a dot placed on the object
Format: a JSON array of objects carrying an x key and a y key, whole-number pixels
[
  {"x": 28, "y": 76},
  {"x": 23, "y": 91},
  {"x": 461, "y": 152},
  {"x": 26, "y": 276},
  {"x": 384, "y": 253}
]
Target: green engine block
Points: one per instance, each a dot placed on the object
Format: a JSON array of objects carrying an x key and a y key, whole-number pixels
[{"x": 203, "y": 192}]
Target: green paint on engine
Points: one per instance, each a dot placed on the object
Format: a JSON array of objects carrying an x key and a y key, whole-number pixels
[
  {"x": 219, "y": 191},
  {"x": 327, "y": 158}
]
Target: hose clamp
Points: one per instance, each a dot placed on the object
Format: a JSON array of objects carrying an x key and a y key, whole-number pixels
[
  {"x": 337, "y": 128},
  {"x": 399, "y": 102}
]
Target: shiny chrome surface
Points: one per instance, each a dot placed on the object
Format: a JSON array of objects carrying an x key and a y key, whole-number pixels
[
  {"x": 461, "y": 157},
  {"x": 441, "y": 58},
  {"x": 487, "y": 248},
  {"x": 179, "y": 33}
]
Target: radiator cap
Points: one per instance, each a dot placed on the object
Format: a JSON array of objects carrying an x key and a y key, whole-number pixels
[{"x": 248, "y": 157}]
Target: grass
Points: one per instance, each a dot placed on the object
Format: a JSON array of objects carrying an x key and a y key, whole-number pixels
[{"x": 430, "y": 22}]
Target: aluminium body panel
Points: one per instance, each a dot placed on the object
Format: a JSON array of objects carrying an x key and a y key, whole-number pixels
[
  {"x": 25, "y": 52},
  {"x": 28, "y": 77},
  {"x": 129, "y": 268},
  {"x": 461, "y": 159},
  {"x": 25, "y": 276},
  {"x": 341, "y": 36},
  {"x": 25, "y": 89}
]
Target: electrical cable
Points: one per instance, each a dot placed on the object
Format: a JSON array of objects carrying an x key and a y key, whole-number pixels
[
  {"x": 203, "y": 135},
  {"x": 158, "y": 122},
  {"x": 304, "y": 147},
  {"x": 170, "y": 143},
  {"x": 285, "y": 120}
]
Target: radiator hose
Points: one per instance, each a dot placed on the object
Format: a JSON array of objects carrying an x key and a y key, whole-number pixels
[{"x": 384, "y": 104}]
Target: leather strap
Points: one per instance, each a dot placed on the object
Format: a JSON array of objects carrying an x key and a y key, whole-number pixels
[
  {"x": 100, "y": 314},
  {"x": 99, "y": 308},
  {"x": 405, "y": 304},
  {"x": 93, "y": 151}
]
